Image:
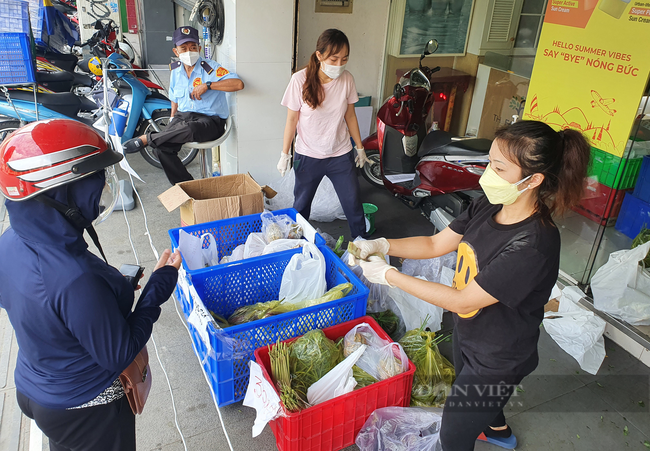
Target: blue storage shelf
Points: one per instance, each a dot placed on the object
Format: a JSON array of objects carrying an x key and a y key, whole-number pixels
[
  {"x": 14, "y": 16},
  {"x": 230, "y": 233},
  {"x": 226, "y": 288},
  {"x": 16, "y": 63},
  {"x": 634, "y": 215}
]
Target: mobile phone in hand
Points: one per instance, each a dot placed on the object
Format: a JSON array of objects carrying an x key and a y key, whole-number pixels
[{"x": 132, "y": 274}]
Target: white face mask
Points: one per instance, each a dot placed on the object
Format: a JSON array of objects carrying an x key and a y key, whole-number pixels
[
  {"x": 332, "y": 71},
  {"x": 189, "y": 58}
]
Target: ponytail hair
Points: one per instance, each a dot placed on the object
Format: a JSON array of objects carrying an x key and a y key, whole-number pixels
[
  {"x": 331, "y": 41},
  {"x": 561, "y": 157}
]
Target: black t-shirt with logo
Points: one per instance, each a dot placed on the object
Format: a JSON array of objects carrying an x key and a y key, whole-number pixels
[{"x": 517, "y": 264}]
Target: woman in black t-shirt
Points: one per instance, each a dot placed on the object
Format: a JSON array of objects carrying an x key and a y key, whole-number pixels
[{"x": 508, "y": 261}]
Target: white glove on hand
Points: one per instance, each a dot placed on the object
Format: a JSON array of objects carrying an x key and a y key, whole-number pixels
[
  {"x": 369, "y": 247},
  {"x": 361, "y": 158},
  {"x": 375, "y": 270},
  {"x": 283, "y": 164}
]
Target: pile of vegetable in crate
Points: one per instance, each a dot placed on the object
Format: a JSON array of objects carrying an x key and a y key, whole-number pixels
[
  {"x": 259, "y": 301},
  {"x": 329, "y": 382}
]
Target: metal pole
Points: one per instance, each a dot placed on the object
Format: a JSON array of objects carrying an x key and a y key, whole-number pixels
[{"x": 205, "y": 161}]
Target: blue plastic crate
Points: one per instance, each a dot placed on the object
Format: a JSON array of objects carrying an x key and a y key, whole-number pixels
[
  {"x": 634, "y": 215},
  {"x": 642, "y": 188},
  {"x": 224, "y": 289},
  {"x": 14, "y": 16},
  {"x": 232, "y": 232},
  {"x": 16, "y": 63}
]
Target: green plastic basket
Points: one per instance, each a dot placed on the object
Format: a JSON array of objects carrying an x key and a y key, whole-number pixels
[{"x": 606, "y": 169}]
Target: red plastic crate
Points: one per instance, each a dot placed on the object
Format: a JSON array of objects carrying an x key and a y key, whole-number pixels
[
  {"x": 334, "y": 424},
  {"x": 600, "y": 203}
]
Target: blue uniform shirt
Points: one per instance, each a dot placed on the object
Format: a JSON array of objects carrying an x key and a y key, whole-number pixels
[{"x": 212, "y": 103}]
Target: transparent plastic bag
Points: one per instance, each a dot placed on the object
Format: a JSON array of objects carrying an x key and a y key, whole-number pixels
[
  {"x": 401, "y": 429},
  {"x": 304, "y": 276},
  {"x": 434, "y": 374},
  {"x": 278, "y": 227},
  {"x": 430, "y": 269},
  {"x": 311, "y": 357},
  {"x": 382, "y": 359}
]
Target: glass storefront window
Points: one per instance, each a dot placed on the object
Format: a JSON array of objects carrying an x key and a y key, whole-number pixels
[{"x": 530, "y": 24}]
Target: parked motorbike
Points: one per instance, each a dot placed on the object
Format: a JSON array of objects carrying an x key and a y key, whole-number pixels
[
  {"x": 146, "y": 110},
  {"x": 429, "y": 169}
]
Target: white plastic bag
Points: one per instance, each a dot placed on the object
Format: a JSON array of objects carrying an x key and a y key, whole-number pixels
[
  {"x": 282, "y": 245},
  {"x": 237, "y": 254},
  {"x": 325, "y": 207},
  {"x": 338, "y": 381},
  {"x": 198, "y": 252},
  {"x": 382, "y": 359},
  {"x": 622, "y": 288},
  {"x": 190, "y": 247},
  {"x": 210, "y": 251},
  {"x": 401, "y": 429},
  {"x": 304, "y": 276},
  {"x": 577, "y": 330},
  {"x": 254, "y": 246},
  {"x": 414, "y": 311}
]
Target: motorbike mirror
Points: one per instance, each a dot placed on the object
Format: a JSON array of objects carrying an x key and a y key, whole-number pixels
[
  {"x": 98, "y": 25},
  {"x": 398, "y": 91},
  {"x": 430, "y": 47}
]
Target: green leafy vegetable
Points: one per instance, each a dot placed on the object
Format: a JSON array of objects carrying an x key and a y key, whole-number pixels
[{"x": 312, "y": 356}]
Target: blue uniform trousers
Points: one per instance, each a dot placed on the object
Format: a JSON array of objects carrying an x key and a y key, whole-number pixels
[{"x": 343, "y": 174}]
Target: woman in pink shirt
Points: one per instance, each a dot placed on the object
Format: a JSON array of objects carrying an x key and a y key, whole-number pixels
[{"x": 320, "y": 100}]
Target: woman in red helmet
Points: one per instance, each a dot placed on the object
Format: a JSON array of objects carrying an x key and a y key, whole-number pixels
[{"x": 71, "y": 311}]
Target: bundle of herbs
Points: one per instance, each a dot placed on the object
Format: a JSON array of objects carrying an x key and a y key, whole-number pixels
[
  {"x": 363, "y": 379},
  {"x": 248, "y": 313},
  {"x": 388, "y": 321},
  {"x": 434, "y": 374},
  {"x": 279, "y": 356},
  {"x": 311, "y": 357}
]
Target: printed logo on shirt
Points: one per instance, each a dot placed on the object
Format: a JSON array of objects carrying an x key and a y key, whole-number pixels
[
  {"x": 222, "y": 71},
  {"x": 196, "y": 82},
  {"x": 466, "y": 270}
]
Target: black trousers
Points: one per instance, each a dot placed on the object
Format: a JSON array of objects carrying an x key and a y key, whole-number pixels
[
  {"x": 343, "y": 174},
  {"x": 475, "y": 403},
  {"x": 186, "y": 127},
  {"x": 108, "y": 427}
]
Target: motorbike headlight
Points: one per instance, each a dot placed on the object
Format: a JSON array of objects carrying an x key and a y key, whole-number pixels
[{"x": 109, "y": 197}]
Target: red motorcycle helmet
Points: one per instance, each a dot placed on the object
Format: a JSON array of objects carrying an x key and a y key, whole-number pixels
[{"x": 45, "y": 154}]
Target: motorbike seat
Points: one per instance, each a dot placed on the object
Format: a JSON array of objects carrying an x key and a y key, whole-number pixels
[
  {"x": 65, "y": 103},
  {"x": 440, "y": 143},
  {"x": 55, "y": 81},
  {"x": 82, "y": 80}
]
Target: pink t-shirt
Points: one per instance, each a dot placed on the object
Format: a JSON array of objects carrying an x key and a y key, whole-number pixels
[{"x": 322, "y": 133}]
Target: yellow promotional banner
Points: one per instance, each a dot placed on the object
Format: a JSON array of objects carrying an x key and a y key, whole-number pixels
[{"x": 592, "y": 65}]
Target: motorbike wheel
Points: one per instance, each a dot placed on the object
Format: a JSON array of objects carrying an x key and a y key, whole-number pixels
[
  {"x": 7, "y": 127},
  {"x": 161, "y": 118},
  {"x": 372, "y": 171}
]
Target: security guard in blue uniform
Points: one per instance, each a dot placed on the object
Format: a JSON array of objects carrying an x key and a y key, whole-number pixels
[{"x": 197, "y": 90}]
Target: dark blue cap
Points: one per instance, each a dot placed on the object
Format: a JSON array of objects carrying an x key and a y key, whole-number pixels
[{"x": 185, "y": 34}]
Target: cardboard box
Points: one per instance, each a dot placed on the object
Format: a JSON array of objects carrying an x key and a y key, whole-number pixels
[{"x": 214, "y": 198}]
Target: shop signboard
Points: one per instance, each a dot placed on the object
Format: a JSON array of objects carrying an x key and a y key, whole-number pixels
[{"x": 591, "y": 68}]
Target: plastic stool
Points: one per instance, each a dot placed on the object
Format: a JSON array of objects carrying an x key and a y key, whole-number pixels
[{"x": 205, "y": 149}]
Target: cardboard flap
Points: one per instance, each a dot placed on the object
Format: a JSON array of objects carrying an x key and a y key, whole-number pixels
[
  {"x": 269, "y": 192},
  {"x": 173, "y": 198}
]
